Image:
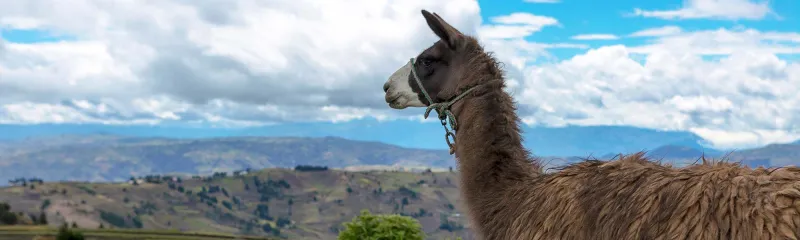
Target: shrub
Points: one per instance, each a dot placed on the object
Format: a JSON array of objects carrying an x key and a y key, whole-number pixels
[
  {"x": 262, "y": 211},
  {"x": 227, "y": 205},
  {"x": 388, "y": 227},
  {"x": 137, "y": 222},
  {"x": 113, "y": 219},
  {"x": 282, "y": 222},
  {"x": 310, "y": 168},
  {"x": 45, "y": 204},
  {"x": 43, "y": 218},
  {"x": 269, "y": 229},
  {"x": 66, "y": 234},
  {"x": 6, "y": 216}
]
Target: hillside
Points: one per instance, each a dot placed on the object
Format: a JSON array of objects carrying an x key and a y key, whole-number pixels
[
  {"x": 32, "y": 232},
  {"x": 274, "y": 202},
  {"x": 114, "y": 158}
]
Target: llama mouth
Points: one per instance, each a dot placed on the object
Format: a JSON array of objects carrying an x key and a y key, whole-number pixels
[
  {"x": 396, "y": 103},
  {"x": 392, "y": 99}
]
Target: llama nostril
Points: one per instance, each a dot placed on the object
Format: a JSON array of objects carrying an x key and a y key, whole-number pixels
[{"x": 386, "y": 87}]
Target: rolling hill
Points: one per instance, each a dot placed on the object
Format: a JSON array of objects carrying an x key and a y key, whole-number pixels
[
  {"x": 115, "y": 158},
  {"x": 273, "y": 202},
  {"x": 283, "y": 203}
]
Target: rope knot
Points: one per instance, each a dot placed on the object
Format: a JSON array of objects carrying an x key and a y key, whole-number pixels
[{"x": 442, "y": 108}]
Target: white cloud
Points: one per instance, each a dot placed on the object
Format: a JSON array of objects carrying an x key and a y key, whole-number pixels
[
  {"x": 542, "y": 1},
  {"x": 253, "y": 62},
  {"x": 505, "y": 35},
  {"x": 744, "y": 97},
  {"x": 19, "y": 23},
  {"x": 515, "y": 25},
  {"x": 657, "y": 32},
  {"x": 182, "y": 60},
  {"x": 36, "y": 113},
  {"x": 713, "y": 9},
  {"x": 746, "y": 138},
  {"x": 212, "y": 61},
  {"x": 725, "y": 41},
  {"x": 595, "y": 37}
]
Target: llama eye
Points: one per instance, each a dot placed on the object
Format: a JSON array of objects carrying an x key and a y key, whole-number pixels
[{"x": 425, "y": 62}]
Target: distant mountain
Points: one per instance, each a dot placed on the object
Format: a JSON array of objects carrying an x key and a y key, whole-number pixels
[
  {"x": 544, "y": 141},
  {"x": 601, "y": 140},
  {"x": 682, "y": 152},
  {"x": 115, "y": 158},
  {"x": 773, "y": 155},
  {"x": 770, "y": 155},
  {"x": 106, "y": 157}
]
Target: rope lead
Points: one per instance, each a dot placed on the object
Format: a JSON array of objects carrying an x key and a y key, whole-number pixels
[{"x": 442, "y": 110}]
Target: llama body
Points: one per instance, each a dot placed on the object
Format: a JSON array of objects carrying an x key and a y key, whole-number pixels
[
  {"x": 634, "y": 198},
  {"x": 508, "y": 196}
]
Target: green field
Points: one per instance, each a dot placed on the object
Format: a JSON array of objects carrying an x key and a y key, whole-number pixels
[{"x": 43, "y": 232}]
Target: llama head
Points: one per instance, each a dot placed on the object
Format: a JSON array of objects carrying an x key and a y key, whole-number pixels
[{"x": 438, "y": 68}]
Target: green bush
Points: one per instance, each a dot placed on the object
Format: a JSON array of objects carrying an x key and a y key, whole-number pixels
[
  {"x": 227, "y": 205},
  {"x": 6, "y": 216},
  {"x": 65, "y": 233},
  {"x": 43, "y": 218},
  {"x": 137, "y": 222},
  {"x": 382, "y": 227},
  {"x": 113, "y": 219},
  {"x": 45, "y": 204}
]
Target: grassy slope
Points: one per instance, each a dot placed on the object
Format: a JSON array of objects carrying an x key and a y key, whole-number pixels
[
  {"x": 321, "y": 202},
  {"x": 22, "y": 232}
]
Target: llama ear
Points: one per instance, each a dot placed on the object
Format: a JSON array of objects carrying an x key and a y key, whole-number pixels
[
  {"x": 447, "y": 33},
  {"x": 448, "y": 26}
]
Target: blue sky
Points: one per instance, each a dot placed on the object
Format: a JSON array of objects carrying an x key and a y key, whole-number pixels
[
  {"x": 617, "y": 17},
  {"x": 728, "y": 74},
  {"x": 32, "y": 36}
]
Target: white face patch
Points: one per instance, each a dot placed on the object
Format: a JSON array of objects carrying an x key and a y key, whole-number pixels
[{"x": 400, "y": 95}]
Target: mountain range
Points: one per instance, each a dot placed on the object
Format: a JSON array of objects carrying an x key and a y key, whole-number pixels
[
  {"x": 116, "y": 158},
  {"x": 544, "y": 141},
  {"x": 106, "y": 157}
]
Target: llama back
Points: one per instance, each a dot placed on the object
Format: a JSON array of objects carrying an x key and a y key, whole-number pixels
[{"x": 634, "y": 198}]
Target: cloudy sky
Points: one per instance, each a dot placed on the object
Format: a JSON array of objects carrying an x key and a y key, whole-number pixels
[{"x": 726, "y": 70}]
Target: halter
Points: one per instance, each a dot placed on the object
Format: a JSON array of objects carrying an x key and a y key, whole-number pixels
[{"x": 442, "y": 109}]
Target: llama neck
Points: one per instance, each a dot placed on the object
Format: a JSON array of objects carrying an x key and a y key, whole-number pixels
[{"x": 489, "y": 145}]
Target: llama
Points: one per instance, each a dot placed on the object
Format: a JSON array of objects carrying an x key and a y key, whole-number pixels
[{"x": 509, "y": 196}]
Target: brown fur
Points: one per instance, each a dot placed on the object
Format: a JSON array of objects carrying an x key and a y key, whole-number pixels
[{"x": 508, "y": 196}]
